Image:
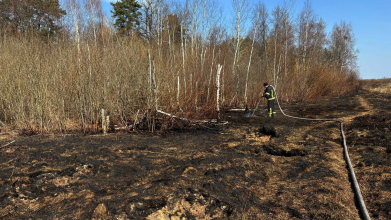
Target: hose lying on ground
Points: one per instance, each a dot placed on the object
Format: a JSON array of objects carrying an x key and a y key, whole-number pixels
[{"x": 356, "y": 187}]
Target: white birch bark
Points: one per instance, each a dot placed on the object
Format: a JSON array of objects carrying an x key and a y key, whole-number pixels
[
  {"x": 219, "y": 67},
  {"x": 194, "y": 26},
  {"x": 240, "y": 7},
  {"x": 251, "y": 54},
  {"x": 93, "y": 14},
  {"x": 74, "y": 8},
  {"x": 237, "y": 48}
]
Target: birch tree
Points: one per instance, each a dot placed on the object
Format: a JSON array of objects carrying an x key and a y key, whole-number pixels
[
  {"x": 256, "y": 20},
  {"x": 262, "y": 40},
  {"x": 306, "y": 28},
  {"x": 288, "y": 32},
  {"x": 342, "y": 47},
  {"x": 287, "y": 40},
  {"x": 194, "y": 24},
  {"x": 283, "y": 40},
  {"x": 95, "y": 17},
  {"x": 278, "y": 16},
  {"x": 75, "y": 18},
  {"x": 311, "y": 42},
  {"x": 241, "y": 8}
]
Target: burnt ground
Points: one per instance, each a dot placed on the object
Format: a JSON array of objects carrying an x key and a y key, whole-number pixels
[{"x": 250, "y": 168}]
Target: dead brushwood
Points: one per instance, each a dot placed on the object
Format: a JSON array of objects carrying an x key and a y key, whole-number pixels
[{"x": 61, "y": 86}]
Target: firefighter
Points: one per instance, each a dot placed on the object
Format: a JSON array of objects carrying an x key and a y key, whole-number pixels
[{"x": 270, "y": 95}]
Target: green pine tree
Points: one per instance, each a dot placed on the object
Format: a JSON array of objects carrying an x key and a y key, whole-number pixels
[
  {"x": 126, "y": 15},
  {"x": 30, "y": 16}
]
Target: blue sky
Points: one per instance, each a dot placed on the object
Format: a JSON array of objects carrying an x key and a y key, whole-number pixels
[{"x": 371, "y": 22}]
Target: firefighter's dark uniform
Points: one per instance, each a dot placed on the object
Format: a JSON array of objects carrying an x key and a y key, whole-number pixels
[{"x": 270, "y": 95}]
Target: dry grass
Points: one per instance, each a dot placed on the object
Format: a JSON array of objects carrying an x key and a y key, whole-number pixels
[
  {"x": 231, "y": 172},
  {"x": 384, "y": 88},
  {"x": 51, "y": 87}
]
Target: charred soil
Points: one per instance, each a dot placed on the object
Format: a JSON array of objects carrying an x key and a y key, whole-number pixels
[{"x": 250, "y": 168}]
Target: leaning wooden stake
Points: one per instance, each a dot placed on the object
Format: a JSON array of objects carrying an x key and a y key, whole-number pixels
[{"x": 219, "y": 67}]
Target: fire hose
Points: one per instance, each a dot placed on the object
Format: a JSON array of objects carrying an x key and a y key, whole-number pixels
[{"x": 356, "y": 187}]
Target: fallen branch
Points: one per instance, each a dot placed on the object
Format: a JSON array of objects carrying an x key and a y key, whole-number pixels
[
  {"x": 8, "y": 144},
  {"x": 123, "y": 127},
  {"x": 13, "y": 170},
  {"x": 236, "y": 110},
  {"x": 195, "y": 122},
  {"x": 172, "y": 116}
]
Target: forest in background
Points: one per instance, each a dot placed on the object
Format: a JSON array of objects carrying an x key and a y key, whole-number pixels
[{"x": 61, "y": 64}]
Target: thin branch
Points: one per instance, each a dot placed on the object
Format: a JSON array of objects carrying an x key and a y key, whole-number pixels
[{"x": 7, "y": 144}]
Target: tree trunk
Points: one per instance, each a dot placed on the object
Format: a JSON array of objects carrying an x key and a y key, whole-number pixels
[{"x": 219, "y": 67}]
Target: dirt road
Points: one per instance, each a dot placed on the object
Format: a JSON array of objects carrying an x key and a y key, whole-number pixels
[{"x": 250, "y": 168}]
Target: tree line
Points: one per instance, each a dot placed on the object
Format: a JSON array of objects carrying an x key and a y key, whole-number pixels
[{"x": 62, "y": 62}]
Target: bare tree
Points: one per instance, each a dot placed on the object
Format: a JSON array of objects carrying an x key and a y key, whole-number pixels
[
  {"x": 277, "y": 33},
  {"x": 262, "y": 40},
  {"x": 306, "y": 25},
  {"x": 343, "y": 47},
  {"x": 194, "y": 24},
  {"x": 171, "y": 63},
  {"x": 241, "y": 9},
  {"x": 95, "y": 17},
  {"x": 255, "y": 20},
  {"x": 75, "y": 18},
  {"x": 288, "y": 33},
  {"x": 286, "y": 44},
  {"x": 311, "y": 40}
]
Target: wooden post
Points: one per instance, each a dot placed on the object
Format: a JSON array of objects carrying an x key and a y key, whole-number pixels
[
  {"x": 107, "y": 123},
  {"x": 104, "y": 128}
]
